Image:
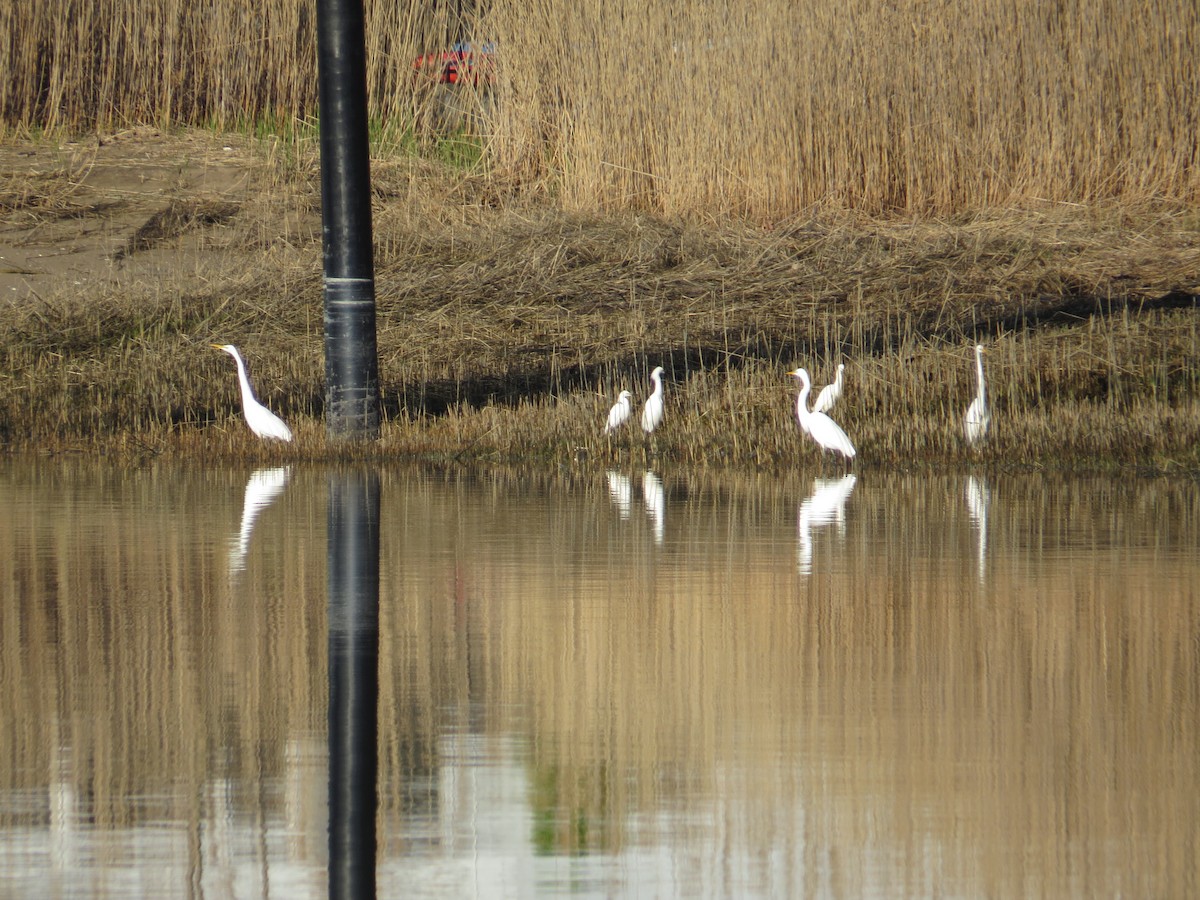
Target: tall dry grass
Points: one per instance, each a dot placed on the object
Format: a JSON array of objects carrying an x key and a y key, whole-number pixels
[
  {"x": 110, "y": 64},
  {"x": 764, "y": 109},
  {"x": 692, "y": 108}
]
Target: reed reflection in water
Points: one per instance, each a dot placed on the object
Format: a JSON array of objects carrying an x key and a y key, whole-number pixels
[{"x": 571, "y": 704}]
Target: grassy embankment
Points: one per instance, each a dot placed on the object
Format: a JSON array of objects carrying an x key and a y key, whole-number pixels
[{"x": 898, "y": 185}]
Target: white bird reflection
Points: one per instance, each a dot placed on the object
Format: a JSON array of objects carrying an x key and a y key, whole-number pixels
[
  {"x": 978, "y": 498},
  {"x": 263, "y": 487},
  {"x": 826, "y": 505},
  {"x": 656, "y": 504},
  {"x": 620, "y": 490}
]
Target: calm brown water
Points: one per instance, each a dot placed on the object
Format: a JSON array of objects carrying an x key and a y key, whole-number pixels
[{"x": 607, "y": 684}]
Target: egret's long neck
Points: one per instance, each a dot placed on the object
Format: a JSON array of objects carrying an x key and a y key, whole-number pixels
[
  {"x": 658, "y": 388},
  {"x": 979, "y": 373},
  {"x": 244, "y": 380},
  {"x": 802, "y": 409}
]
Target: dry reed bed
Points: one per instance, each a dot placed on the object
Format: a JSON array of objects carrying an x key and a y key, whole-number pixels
[
  {"x": 685, "y": 109},
  {"x": 507, "y": 326}
]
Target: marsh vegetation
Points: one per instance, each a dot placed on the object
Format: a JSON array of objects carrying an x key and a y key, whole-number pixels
[{"x": 726, "y": 196}]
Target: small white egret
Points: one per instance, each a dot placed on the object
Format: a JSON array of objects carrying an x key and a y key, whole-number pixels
[
  {"x": 822, "y": 429},
  {"x": 620, "y": 412},
  {"x": 978, "y": 417},
  {"x": 831, "y": 393},
  {"x": 652, "y": 414},
  {"x": 261, "y": 420}
]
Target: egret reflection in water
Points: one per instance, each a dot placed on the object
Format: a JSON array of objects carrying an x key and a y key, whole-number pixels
[
  {"x": 978, "y": 498},
  {"x": 655, "y": 499},
  {"x": 620, "y": 490},
  {"x": 262, "y": 489},
  {"x": 825, "y": 505}
]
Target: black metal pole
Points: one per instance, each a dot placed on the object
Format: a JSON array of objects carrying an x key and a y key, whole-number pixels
[
  {"x": 351, "y": 357},
  {"x": 353, "y": 559}
]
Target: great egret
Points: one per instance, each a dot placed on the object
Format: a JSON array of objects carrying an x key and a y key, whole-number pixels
[
  {"x": 978, "y": 417},
  {"x": 822, "y": 429},
  {"x": 620, "y": 412},
  {"x": 652, "y": 414},
  {"x": 831, "y": 393},
  {"x": 261, "y": 420}
]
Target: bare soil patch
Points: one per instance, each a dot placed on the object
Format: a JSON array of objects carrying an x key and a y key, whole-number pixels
[{"x": 79, "y": 214}]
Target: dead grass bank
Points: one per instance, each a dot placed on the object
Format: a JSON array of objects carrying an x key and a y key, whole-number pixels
[{"x": 507, "y": 326}]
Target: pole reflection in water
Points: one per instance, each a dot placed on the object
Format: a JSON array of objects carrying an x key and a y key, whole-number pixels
[
  {"x": 978, "y": 497},
  {"x": 656, "y": 504},
  {"x": 826, "y": 504},
  {"x": 262, "y": 489},
  {"x": 353, "y": 559}
]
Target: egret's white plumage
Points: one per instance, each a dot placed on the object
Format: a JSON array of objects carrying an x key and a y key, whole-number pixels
[
  {"x": 261, "y": 420},
  {"x": 831, "y": 393},
  {"x": 802, "y": 412},
  {"x": 620, "y": 412},
  {"x": 978, "y": 417},
  {"x": 652, "y": 413},
  {"x": 822, "y": 429}
]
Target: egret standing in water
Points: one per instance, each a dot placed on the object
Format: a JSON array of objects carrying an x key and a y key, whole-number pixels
[
  {"x": 831, "y": 393},
  {"x": 261, "y": 420},
  {"x": 620, "y": 412},
  {"x": 652, "y": 413},
  {"x": 978, "y": 417},
  {"x": 822, "y": 429}
]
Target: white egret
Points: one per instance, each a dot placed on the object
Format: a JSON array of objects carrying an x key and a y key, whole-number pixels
[
  {"x": 831, "y": 393},
  {"x": 822, "y": 429},
  {"x": 620, "y": 412},
  {"x": 261, "y": 420},
  {"x": 978, "y": 417},
  {"x": 652, "y": 414}
]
